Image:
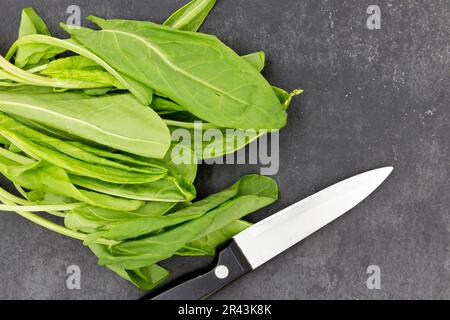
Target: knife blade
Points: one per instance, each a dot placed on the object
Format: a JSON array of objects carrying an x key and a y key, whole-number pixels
[{"x": 266, "y": 239}]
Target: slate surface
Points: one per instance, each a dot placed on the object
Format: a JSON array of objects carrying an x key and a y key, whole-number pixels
[{"x": 373, "y": 98}]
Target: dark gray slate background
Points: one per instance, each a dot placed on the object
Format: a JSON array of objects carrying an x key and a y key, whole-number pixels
[{"x": 373, "y": 98}]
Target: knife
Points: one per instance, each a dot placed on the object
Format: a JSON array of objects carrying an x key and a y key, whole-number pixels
[{"x": 266, "y": 239}]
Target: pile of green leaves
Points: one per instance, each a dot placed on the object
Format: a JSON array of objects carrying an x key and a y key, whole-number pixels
[{"x": 87, "y": 136}]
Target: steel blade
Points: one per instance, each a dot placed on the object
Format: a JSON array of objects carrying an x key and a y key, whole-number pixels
[{"x": 273, "y": 235}]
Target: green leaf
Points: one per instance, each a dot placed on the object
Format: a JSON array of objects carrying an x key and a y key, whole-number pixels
[
  {"x": 131, "y": 228},
  {"x": 156, "y": 209},
  {"x": 176, "y": 186},
  {"x": 142, "y": 92},
  {"x": 80, "y": 68},
  {"x": 47, "y": 198},
  {"x": 286, "y": 97},
  {"x": 31, "y": 55},
  {"x": 80, "y": 223},
  {"x": 156, "y": 55},
  {"x": 207, "y": 245},
  {"x": 146, "y": 278},
  {"x": 180, "y": 162},
  {"x": 257, "y": 60},
  {"x": 163, "y": 105},
  {"x": 249, "y": 194},
  {"x": 217, "y": 143},
  {"x": 51, "y": 179},
  {"x": 9, "y": 129},
  {"x": 190, "y": 17},
  {"x": 32, "y": 23},
  {"x": 118, "y": 121},
  {"x": 13, "y": 73},
  {"x": 160, "y": 190},
  {"x": 91, "y": 219},
  {"x": 97, "y": 91},
  {"x": 74, "y": 150},
  {"x": 125, "y": 158}
]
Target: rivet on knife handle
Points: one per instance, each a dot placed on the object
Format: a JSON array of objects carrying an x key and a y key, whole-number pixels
[{"x": 230, "y": 266}]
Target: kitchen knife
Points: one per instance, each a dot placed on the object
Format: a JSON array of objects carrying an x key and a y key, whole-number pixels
[{"x": 273, "y": 235}]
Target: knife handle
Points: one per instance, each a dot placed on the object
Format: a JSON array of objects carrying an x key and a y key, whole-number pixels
[{"x": 231, "y": 265}]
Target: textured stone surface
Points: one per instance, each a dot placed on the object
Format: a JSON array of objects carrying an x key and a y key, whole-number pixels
[{"x": 373, "y": 98}]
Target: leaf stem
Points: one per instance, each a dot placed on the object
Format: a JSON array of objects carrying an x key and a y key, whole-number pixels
[
  {"x": 16, "y": 157},
  {"x": 10, "y": 197},
  {"x": 26, "y": 77},
  {"x": 38, "y": 68},
  {"x": 71, "y": 46},
  {"x": 7, "y": 76},
  {"x": 21, "y": 191},
  {"x": 190, "y": 15},
  {"x": 41, "y": 207},
  {"x": 189, "y": 125},
  {"x": 56, "y": 227}
]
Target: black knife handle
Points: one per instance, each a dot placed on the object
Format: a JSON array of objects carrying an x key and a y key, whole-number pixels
[{"x": 231, "y": 265}]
